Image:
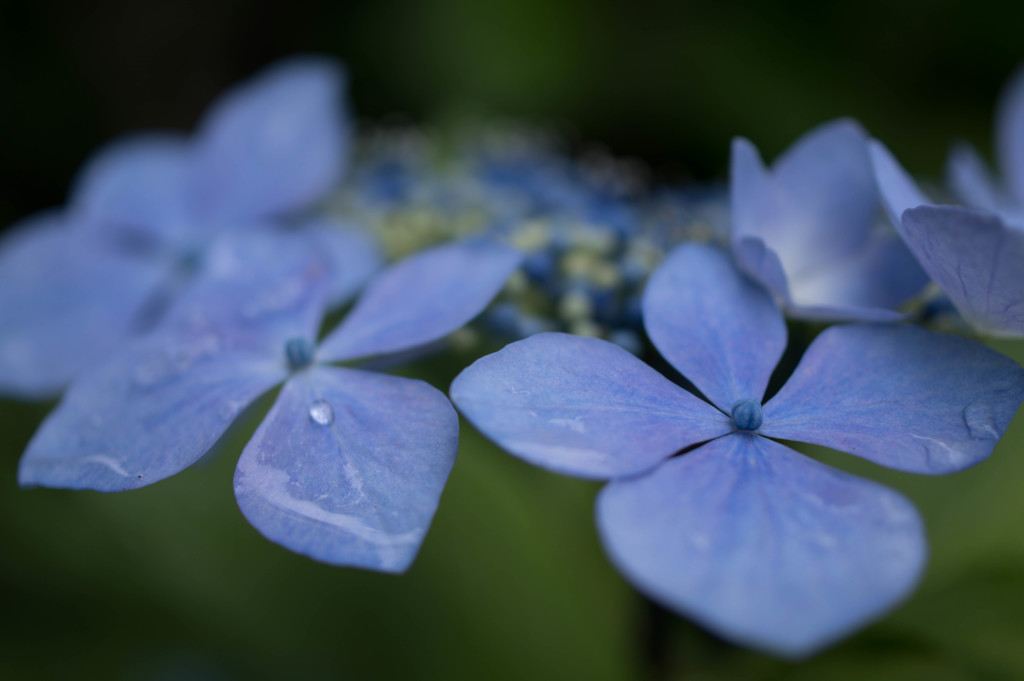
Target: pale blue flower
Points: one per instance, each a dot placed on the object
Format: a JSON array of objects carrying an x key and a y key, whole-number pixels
[
  {"x": 348, "y": 466},
  {"x": 706, "y": 511},
  {"x": 145, "y": 208}
]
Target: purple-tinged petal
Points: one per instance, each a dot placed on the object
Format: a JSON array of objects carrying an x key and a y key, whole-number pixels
[
  {"x": 348, "y": 467},
  {"x": 862, "y": 285},
  {"x": 902, "y": 397},
  {"x": 718, "y": 328},
  {"x": 971, "y": 180},
  {"x": 758, "y": 208},
  {"x": 134, "y": 189},
  {"x": 147, "y": 413},
  {"x": 274, "y": 144},
  {"x": 762, "y": 545},
  {"x": 816, "y": 205},
  {"x": 763, "y": 265},
  {"x": 582, "y": 406},
  {"x": 255, "y": 291},
  {"x": 976, "y": 259},
  {"x": 421, "y": 299},
  {"x": 352, "y": 254},
  {"x": 64, "y": 304},
  {"x": 899, "y": 191},
  {"x": 827, "y": 173},
  {"x": 1010, "y": 133}
]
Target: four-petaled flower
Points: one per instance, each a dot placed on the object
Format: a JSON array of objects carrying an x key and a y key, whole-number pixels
[
  {"x": 144, "y": 211},
  {"x": 757, "y": 542},
  {"x": 348, "y": 466}
]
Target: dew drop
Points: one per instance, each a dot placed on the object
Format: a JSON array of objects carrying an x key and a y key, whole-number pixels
[
  {"x": 981, "y": 422},
  {"x": 321, "y": 413}
]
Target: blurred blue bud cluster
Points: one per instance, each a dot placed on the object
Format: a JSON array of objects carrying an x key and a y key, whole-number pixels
[
  {"x": 591, "y": 229},
  {"x": 189, "y": 275}
]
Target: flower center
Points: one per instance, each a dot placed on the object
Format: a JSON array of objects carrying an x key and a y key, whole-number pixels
[
  {"x": 299, "y": 352},
  {"x": 746, "y": 414}
]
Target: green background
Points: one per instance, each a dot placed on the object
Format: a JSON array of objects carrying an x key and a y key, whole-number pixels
[{"x": 169, "y": 582}]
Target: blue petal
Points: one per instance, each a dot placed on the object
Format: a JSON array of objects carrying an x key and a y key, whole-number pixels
[
  {"x": 353, "y": 256},
  {"x": 971, "y": 181},
  {"x": 64, "y": 304},
  {"x": 421, "y": 299},
  {"x": 762, "y": 545},
  {"x": 256, "y": 290},
  {"x": 827, "y": 173},
  {"x": 1010, "y": 133},
  {"x": 135, "y": 187},
  {"x": 817, "y": 204},
  {"x": 147, "y": 413},
  {"x": 348, "y": 467},
  {"x": 902, "y": 397},
  {"x": 719, "y": 329},
  {"x": 899, "y": 191},
  {"x": 759, "y": 213},
  {"x": 862, "y": 285},
  {"x": 975, "y": 258},
  {"x": 582, "y": 406},
  {"x": 274, "y": 144},
  {"x": 763, "y": 265}
]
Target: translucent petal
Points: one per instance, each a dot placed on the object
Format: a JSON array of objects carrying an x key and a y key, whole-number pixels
[
  {"x": 273, "y": 144},
  {"x": 902, "y": 397},
  {"x": 759, "y": 209},
  {"x": 582, "y": 406},
  {"x": 971, "y": 180},
  {"x": 256, "y": 290},
  {"x": 762, "y": 545},
  {"x": 348, "y": 467},
  {"x": 134, "y": 188},
  {"x": 862, "y": 285},
  {"x": 976, "y": 259},
  {"x": 147, "y": 413},
  {"x": 718, "y": 328},
  {"x": 1010, "y": 133},
  {"x": 828, "y": 174},
  {"x": 353, "y": 257},
  {"x": 421, "y": 299},
  {"x": 899, "y": 191},
  {"x": 817, "y": 204},
  {"x": 65, "y": 302}
]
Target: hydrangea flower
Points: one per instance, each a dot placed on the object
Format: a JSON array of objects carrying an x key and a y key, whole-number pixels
[
  {"x": 808, "y": 229},
  {"x": 973, "y": 253},
  {"x": 348, "y": 465},
  {"x": 705, "y": 511},
  {"x": 145, "y": 208}
]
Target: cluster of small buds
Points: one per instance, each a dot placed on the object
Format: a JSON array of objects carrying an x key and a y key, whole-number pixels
[{"x": 591, "y": 228}]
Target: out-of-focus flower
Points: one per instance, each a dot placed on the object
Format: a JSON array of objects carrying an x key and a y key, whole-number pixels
[
  {"x": 808, "y": 230},
  {"x": 705, "y": 511},
  {"x": 348, "y": 466},
  {"x": 144, "y": 210},
  {"x": 973, "y": 253}
]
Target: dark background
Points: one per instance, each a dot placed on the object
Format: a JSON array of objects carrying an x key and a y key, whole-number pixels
[
  {"x": 169, "y": 582},
  {"x": 669, "y": 82}
]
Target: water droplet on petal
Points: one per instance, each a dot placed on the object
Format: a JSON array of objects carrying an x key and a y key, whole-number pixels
[
  {"x": 981, "y": 422},
  {"x": 322, "y": 413}
]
